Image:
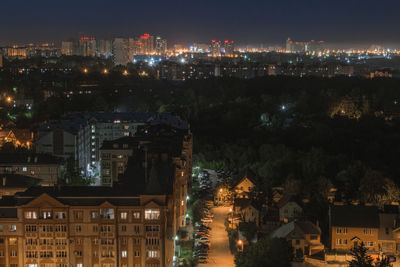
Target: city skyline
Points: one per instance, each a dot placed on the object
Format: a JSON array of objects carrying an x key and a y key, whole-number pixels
[{"x": 341, "y": 23}]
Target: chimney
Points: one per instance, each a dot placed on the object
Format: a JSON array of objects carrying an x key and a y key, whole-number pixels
[{"x": 4, "y": 181}]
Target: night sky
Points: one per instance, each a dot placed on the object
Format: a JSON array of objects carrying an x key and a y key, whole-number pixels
[{"x": 245, "y": 21}]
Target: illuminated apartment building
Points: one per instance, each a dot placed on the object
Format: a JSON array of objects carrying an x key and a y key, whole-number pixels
[{"x": 87, "y": 227}]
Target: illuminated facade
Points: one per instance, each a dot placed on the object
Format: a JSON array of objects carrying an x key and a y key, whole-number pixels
[
  {"x": 96, "y": 227},
  {"x": 45, "y": 167},
  {"x": 229, "y": 48},
  {"x": 145, "y": 45},
  {"x": 215, "y": 48},
  {"x": 67, "y": 48},
  {"x": 87, "y": 46},
  {"x": 160, "y": 46}
]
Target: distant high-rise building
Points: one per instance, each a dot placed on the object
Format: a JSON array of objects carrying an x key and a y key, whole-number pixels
[
  {"x": 67, "y": 48},
  {"x": 16, "y": 52},
  {"x": 1, "y": 60},
  {"x": 145, "y": 44},
  {"x": 200, "y": 48},
  {"x": 229, "y": 48},
  {"x": 215, "y": 48},
  {"x": 131, "y": 48},
  {"x": 120, "y": 51},
  {"x": 289, "y": 45},
  {"x": 104, "y": 48},
  {"x": 87, "y": 46},
  {"x": 161, "y": 46}
]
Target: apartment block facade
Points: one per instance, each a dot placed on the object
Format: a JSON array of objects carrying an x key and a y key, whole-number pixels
[{"x": 77, "y": 226}]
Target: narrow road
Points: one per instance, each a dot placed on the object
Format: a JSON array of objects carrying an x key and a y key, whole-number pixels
[{"x": 220, "y": 255}]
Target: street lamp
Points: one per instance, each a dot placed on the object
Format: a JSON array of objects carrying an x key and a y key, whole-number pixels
[{"x": 240, "y": 244}]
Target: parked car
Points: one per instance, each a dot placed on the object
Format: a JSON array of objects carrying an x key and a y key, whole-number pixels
[
  {"x": 204, "y": 240},
  {"x": 206, "y": 220}
]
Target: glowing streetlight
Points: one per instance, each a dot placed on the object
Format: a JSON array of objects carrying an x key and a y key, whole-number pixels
[
  {"x": 105, "y": 71},
  {"x": 240, "y": 244},
  {"x": 9, "y": 99},
  {"x": 85, "y": 70},
  {"x": 125, "y": 73}
]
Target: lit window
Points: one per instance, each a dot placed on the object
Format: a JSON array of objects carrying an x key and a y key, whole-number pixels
[
  {"x": 107, "y": 214},
  {"x": 151, "y": 214},
  {"x": 124, "y": 215},
  {"x": 136, "y": 214},
  {"x": 152, "y": 253},
  {"x": 30, "y": 215},
  {"x": 124, "y": 254},
  {"x": 24, "y": 169},
  {"x": 12, "y": 228},
  {"x": 95, "y": 215}
]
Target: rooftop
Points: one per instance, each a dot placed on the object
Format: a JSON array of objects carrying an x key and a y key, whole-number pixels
[
  {"x": 28, "y": 158},
  {"x": 355, "y": 216}
]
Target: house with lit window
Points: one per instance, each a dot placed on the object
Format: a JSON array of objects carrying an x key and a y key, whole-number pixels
[
  {"x": 302, "y": 235},
  {"x": 246, "y": 211},
  {"x": 16, "y": 137},
  {"x": 245, "y": 185},
  {"x": 352, "y": 224}
]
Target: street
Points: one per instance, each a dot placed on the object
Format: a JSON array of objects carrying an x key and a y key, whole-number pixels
[{"x": 220, "y": 254}]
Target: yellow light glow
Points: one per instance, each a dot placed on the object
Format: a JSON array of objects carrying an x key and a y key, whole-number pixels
[
  {"x": 85, "y": 70},
  {"x": 105, "y": 71},
  {"x": 125, "y": 72},
  {"x": 9, "y": 99}
]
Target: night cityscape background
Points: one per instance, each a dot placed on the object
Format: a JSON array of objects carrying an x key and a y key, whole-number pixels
[{"x": 213, "y": 133}]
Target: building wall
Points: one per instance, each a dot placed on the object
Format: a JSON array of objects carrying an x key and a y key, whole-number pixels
[
  {"x": 342, "y": 237},
  {"x": 58, "y": 143},
  {"x": 244, "y": 187},
  {"x": 91, "y": 137},
  {"x": 49, "y": 173},
  {"x": 113, "y": 163},
  {"x": 80, "y": 237}
]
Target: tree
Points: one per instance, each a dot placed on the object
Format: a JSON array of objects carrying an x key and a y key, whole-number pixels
[
  {"x": 361, "y": 259},
  {"x": 267, "y": 253},
  {"x": 72, "y": 175}
]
